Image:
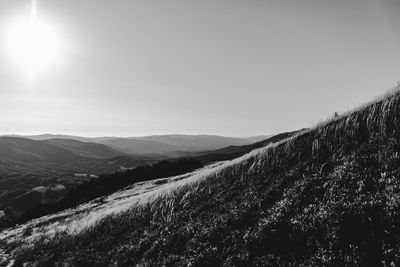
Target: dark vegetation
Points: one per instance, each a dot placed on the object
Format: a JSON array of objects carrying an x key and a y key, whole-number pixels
[
  {"x": 26, "y": 165},
  {"x": 329, "y": 197},
  {"x": 89, "y": 190},
  {"x": 21, "y": 204},
  {"x": 19, "y": 179}
]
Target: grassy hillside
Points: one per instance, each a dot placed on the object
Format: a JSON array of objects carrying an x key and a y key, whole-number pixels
[
  {"x": 32, "y": 204},
  {"x": 20, "y": 199},
  {"x": 35, "y": 203},
  {"x": 27, "y": 165},
  {"x": 329, "y": 196},
  {"x": 231, "y": 152}
]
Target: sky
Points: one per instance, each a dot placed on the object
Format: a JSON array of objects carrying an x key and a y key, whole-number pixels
[{"x": 226, "y": 67}]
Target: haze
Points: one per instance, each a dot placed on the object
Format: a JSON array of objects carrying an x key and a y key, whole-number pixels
[{"x": 235, "y": 68}]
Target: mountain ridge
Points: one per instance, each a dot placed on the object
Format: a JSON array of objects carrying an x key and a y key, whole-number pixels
[
  {"x": 159, "y": 144},
  {"x": 85, "y": 149}
]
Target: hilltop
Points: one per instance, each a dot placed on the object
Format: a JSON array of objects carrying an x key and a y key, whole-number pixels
[{"x": 327, "y": 196}]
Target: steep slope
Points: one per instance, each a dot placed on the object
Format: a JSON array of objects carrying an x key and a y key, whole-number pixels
[
  {"x": 85, "y": 149},
  {"x": 325, "y": 197},
  {"x": 258, "y": 138},
  {"x": 231, "y": 152}
]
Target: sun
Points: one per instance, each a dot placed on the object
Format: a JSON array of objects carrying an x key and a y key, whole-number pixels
[{"x": 32, "y": 44}]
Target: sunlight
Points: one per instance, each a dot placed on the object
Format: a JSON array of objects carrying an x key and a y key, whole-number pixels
[{"x": 32, "y": 43}]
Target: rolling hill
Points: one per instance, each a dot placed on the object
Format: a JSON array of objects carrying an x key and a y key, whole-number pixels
[
  {"x": 26, "y": 165},
  {"x": 26, "y": 150},
  {"x": 74, "y": 166},
  {"x": 327, "y": 196},
  {"x": 201, "y": 142},
  {"x": 139, "y": 147},
  {"x": 25, "y": 198},
  {"x": 41, "y": 137},
  {"x": 62, "y": 154},
  {"x": 159, "y": 145},
  {"x": 85, "y": 149}
]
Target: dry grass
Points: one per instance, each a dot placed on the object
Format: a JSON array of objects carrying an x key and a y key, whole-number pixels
[
  {"x": 163, "y": 196},
  {"x": 86, "y": 216}
]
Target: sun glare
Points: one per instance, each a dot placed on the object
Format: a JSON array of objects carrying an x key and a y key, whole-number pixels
[{"x": 32, "y": 44}]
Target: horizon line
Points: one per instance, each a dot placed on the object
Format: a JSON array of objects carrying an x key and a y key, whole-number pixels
[{"x": 131, "y": 136}]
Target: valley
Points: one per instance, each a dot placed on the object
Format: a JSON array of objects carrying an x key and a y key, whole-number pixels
[
  {"x": 37, "y": 174},
  {"x": 323, "y": 196}
]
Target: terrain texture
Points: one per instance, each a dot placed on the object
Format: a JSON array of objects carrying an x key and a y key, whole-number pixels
[
  {"x": 328, "y": 196},
  {"x": 46, "y": 173}
]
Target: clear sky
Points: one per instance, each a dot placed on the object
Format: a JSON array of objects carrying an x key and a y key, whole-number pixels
[{"x": 226, "y": 67}]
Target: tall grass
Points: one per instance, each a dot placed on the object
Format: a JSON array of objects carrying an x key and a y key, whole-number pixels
[{"x": 379, "y": 116}]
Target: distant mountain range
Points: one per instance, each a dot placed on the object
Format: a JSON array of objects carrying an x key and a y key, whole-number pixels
[
  {"x": 231, "y": 152},
  {"x": 327, "y": 196},
  {"x": 84, "y": 149},
  {"x": 155, "y": 145},
  {"x": 62, "y": 161},
  {"x": 26, "y": 150},
  {"x": 26, "y": 164}
]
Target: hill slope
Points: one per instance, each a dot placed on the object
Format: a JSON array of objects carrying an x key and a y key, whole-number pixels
[
  {"x": 26, "y": 150},
  {"x": 85, "y": 149},
  {"x": 42, "y": 137},
  {"x": 174, "y": 145},
  {"x": 33, "y": 205},
  {"x": 201, "y": 142},
  {"x": 231, "y": 152},
  {"x": 29, "y": 168},
  {"x": 326, "y": 197}
]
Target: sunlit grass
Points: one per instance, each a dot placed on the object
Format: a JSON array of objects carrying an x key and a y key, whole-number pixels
[{"x": 161, "y": 198}]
